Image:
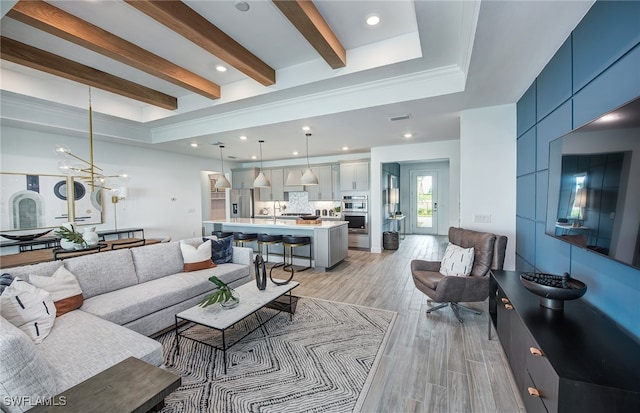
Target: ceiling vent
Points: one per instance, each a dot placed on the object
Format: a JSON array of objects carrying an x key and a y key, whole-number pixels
[
  {"x": 399, "y": 117},
  {"x": 216, "y": 143}
]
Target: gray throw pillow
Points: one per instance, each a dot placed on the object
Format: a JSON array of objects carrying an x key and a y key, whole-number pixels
[{"x": 5, "y": 280}]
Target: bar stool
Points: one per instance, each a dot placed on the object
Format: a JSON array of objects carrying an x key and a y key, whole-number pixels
[
  {"x": 241, "y": 238},
  {"x": 266, "y": 240},
  {"x": 292, "y": 241},
  {"x": 222, "y": 234}
]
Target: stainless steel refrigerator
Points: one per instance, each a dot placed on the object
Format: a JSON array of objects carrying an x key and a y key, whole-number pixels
[{"x": 242, "y": 205}]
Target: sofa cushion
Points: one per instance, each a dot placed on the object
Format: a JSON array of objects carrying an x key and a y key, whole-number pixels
[
  {"x": 82, "y": 345},
  {"x": 5, "y": 280},
  {"x": 29, "y": 308},
  {"x": 45, "y": 269},
  {"x": 157, "y": 260},
  {"x": 196, "y": 258},
  {"x": 104, "y": 272},
  {"x": 129, "y": 304},
  {"x": 63, "y": 287},
  {"x": 24, "y": 372},
  {"x": 457, "y": 261}
]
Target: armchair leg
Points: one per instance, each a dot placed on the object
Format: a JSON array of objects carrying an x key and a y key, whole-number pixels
[
  {"x": 436, "y": 307},
  {"x": 454, "y": 307},
  {"x": 464, "y": 307}
]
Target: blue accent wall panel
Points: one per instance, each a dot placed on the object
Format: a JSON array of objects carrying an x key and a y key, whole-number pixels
[
  {"x": 542, "y": 184},
  {"x": 611, "y": 287},
  {"x": 616, "y": 86},
  {"x": 522, "y": 265},
  {"x": 525, "y": 239},
  {"x": 552, "y": 255},
  {"x": 526, "y": 196},
  {"x": 526, "y": 147},
  {"x": 608, "y": 31},
  {"x": 526, "y": 110},
  {"x": 552, "y": 127},
  {"x": 605, "y": 62},
  {"x": 554, "y": 82}
]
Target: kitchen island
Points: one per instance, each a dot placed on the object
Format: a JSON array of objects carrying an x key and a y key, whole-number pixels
[{"x": 329, "y": 239}]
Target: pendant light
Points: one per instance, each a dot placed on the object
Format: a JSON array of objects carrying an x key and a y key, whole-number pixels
[
  {"x": 261, "y": 181},
  {"x": 308, "y": 177},
  {"x": 222, "y": 182}
]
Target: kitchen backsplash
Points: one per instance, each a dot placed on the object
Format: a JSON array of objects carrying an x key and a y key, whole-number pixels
[{"x": 298, "y": 203}]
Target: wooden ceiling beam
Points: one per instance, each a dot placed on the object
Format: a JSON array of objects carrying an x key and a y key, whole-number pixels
[
  {"x": 183, "y": 20},
  {"x": 304, "y": 15},
  {"x": 38, "y": 59},
  {"x": 59, "y": 23}
]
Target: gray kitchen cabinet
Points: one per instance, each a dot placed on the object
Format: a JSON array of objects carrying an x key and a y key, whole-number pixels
[
  {"x": 354, "y": 176},
  {"x": 324, "y": 190},
  {"x": 276, "y": 191},
  {"x": 243, "y": 178}
]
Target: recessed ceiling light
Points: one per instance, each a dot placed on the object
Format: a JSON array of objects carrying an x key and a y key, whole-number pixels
[
  {"x": 194, "y": 145},
  {"x": 243, "y": 138},
  {"x": 373, "y": 20},
  {"x": 242, "y": 5},
  {"x": 408, "y": 135},
  {"x": 254, "y": 157},
  {"x": 345, "y": 148},
  {"x": 221, "y": 68},
  {"x": 306, "y": 128},
  {"x": 295, "y": 153}
]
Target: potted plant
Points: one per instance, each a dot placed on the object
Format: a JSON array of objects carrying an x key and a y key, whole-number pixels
[
  {"x": 225, "y": 295},
  {"x": 70, "y": 238}
]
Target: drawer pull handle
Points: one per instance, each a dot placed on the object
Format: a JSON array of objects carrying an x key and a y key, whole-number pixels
[
  {"x": 535, "y": 351},
  {"x": 533, "y": 392},
  {"x": 504, "y": 300},
  {"x": 508, "y": 306}
]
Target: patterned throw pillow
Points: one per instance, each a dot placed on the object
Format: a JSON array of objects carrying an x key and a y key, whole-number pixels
[
  {"x": 457, "y": 261},
  {"x": 196, "y": 258},
  {"x": 222, "y": 250},
  {"x": 29, "y": 308},
  {"x": 5, "y": 281},
  {"x": 63, "y": 287}
]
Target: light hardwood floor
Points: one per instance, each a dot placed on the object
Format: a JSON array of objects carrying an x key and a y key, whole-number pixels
[{"x": 431, "y": 363}]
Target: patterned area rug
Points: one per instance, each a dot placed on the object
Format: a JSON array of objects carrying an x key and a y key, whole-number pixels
[{"x": 321, "y": 361}]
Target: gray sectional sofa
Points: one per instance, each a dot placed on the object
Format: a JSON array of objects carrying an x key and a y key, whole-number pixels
[{"x": 128, "y": 295}]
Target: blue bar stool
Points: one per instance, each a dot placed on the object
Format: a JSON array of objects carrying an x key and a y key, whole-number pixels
[
  {"x": 290, "y": 242},
  {"x": 241, "y": 238}
]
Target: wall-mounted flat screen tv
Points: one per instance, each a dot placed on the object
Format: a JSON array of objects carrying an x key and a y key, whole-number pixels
[{"x": 593, "y": 199}]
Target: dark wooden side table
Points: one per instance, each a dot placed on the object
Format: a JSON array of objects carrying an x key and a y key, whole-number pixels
[{"x": 130, "y": 386}]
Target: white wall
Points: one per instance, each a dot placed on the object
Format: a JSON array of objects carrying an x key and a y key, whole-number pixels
[
  {"x": 425, "y": 152},
  {"x": 164, "y": 191},
  {"x": 488, "y": 171}
]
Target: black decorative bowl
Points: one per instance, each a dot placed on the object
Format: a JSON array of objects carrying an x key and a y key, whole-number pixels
[
  {"x": 553, "y": 290},
  {"x": 25, "y": 237},
  {"x": 308, "y": 217}
]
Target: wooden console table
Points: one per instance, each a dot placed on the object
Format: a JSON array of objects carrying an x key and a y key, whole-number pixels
[
  {"x": 130, "y": 386},
  {"x": 44, "y": 255}
]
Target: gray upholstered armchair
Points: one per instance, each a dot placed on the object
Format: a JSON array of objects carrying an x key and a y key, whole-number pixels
[{"x": 489, "y": 252}]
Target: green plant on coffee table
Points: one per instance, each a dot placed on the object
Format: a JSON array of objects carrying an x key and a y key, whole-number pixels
[
  {"x": 70, "y": 234},
  {"x": 224, "y": 295}
]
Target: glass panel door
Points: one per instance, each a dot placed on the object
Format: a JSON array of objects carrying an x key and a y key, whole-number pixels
[{"x": 424, "y": 202}]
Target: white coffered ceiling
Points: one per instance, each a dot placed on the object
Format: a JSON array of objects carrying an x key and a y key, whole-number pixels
[{"x": 429, "y": 59}]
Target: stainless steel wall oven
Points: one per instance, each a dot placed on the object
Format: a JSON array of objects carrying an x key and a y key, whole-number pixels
[
  {"x": 355, "y": 203},
  {"x": 357, "y": 222}
]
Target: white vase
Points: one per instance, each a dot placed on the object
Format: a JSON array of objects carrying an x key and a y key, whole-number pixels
[
  {"x": 90, "y": 236},
  {"x": 68, "y": 245}
]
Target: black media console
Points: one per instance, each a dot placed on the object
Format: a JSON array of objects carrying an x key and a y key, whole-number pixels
[{"x": 571, "y": 360}]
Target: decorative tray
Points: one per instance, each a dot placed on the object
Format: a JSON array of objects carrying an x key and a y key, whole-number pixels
[{"x": 308, "y": 221}]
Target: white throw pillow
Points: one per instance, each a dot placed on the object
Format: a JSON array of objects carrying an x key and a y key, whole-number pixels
[
  {"x": 29, "y": 308},
  {"x": 196, "y": 258},
  {"x": 457, "y": 261},
  {"x": 63, "y": 287}
]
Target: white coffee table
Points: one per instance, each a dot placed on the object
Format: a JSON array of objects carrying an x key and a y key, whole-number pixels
[{"x": 221, "y": 319}]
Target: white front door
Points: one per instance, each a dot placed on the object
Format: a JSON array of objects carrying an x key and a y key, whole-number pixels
[{"x": 424, "y": 202}]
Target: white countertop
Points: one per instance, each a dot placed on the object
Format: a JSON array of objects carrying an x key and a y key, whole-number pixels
[{"x": 279, "y": 223}]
